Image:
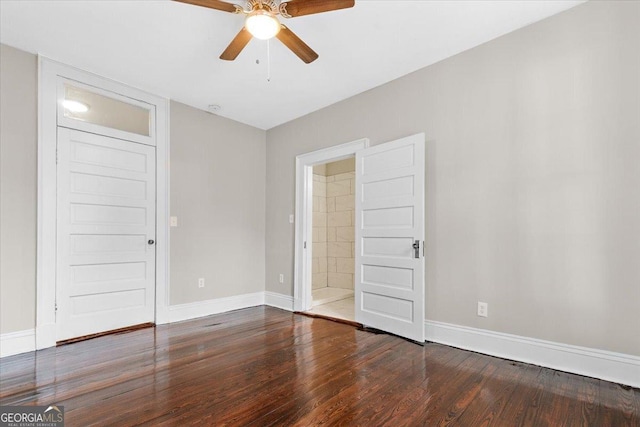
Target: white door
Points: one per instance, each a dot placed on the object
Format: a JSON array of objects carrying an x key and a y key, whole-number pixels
[
  {"x": 389, "y": 280},
  {"x": 105, "y": 276}
]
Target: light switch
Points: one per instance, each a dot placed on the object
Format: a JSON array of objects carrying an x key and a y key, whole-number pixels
[
  {"x": 291, "y": 218},
  {"x": 174, "y": 221}
]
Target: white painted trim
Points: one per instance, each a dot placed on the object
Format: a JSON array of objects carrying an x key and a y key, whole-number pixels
[
  {"x": 180, "y": 312},
  {"x": 49, "y": 72},
  {"x": 46, "y": 208},
  {"x": 303, "y": 218},
  {"x": 284, "y": 302},
  {"x": 17, "y": 342},
  {"x": 163, "y": 145},
  {"x": 606, "y": 365}
]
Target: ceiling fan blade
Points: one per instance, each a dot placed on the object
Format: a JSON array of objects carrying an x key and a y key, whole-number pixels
[
  {"x": 295, "y": 8},
  {"x": 213, "y": 4},
  {"x": 297, "y": 46},
  {"x": 237, "y": 44}
]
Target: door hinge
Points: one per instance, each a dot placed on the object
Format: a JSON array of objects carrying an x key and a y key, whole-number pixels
[
  {"x": 305, "y": 245},
  {"x": 56, "y": 304}
]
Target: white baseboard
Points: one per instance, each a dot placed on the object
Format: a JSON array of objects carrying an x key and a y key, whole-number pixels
[
  {"x": 616, "y": 367},
  {"x": 180, "y": 312},
  {"x": 284, "y": 302},
  {"x": 17, "y": 342}
]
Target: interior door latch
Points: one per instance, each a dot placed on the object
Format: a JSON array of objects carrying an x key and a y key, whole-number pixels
[{"x": 416, "y": 249}]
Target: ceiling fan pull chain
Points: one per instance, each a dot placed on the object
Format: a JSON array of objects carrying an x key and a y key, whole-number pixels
[{"x": 268, "y": 60}]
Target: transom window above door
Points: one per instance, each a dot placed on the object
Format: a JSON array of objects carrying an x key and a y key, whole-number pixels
[
  {"x": 103, "y": 112},
  {"x": 91, "y": 107}
]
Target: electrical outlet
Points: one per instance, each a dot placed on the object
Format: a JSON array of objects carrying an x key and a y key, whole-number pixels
[
  {"x": 201, "y": 282},
  {"x": 291, "y": 219},
  {"x": 483, "y": 309},
  {"x": 281, "y": 278},
  {"x": 173, "y": 221}
]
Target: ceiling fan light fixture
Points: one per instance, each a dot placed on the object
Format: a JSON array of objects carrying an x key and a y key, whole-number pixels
[{"x": 262, "y": 24}]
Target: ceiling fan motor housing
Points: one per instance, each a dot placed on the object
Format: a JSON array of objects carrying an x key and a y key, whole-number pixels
[{"x": 268, "y": 5}]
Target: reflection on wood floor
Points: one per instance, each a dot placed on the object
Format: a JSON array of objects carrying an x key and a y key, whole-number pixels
[{"x": 263, "y": 366}]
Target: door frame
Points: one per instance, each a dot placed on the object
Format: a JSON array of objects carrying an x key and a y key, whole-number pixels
[
  {"x": 49, "y": 74},
  {"x": 304, "y": 214}
]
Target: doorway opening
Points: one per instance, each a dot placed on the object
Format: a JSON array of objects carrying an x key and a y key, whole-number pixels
[
  {"x": 389, "y": 224},
  {"x": 333, "y": 239},
  {"x": 303, "y": 271}
]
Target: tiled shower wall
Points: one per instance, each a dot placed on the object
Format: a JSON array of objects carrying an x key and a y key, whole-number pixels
[
  {"x": 319, "y": 249},
  {"x": 333, "y": 225}
]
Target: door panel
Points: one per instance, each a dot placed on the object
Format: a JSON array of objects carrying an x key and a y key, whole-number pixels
[
  {"x": 110, "y": 157},
  {"x": 390, "y": 159},
  {"x": 389, "y": 280},
  {"x": 393, "y": 247},
  {"x": 393, "y": 308},
  {"x": 385, "y": 188},
  {"x": 103, "y": 244},
  {"x": 401, "y": 217},
  {"x": 98, "y": 215},
  {"x": 97, "y": 185},
  {"x": 395, "y": 277},
  {"x": 106, "y": 216}
]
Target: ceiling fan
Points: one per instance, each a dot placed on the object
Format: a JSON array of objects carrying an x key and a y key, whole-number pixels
[{"x": 261, "y": 22}]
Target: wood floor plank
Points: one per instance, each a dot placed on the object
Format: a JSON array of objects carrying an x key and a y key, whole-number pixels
[
  {"x": 522, "y": 396},
  {"x": 421, "y": 401},
  {"x": 267, "y": 367},
  {"x": 483, "y": 410},
  {"x": 619, "y": 404},
  {"x": 588, "y": 398}
]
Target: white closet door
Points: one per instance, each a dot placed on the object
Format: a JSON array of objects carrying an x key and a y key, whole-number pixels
[
  {"x": 389, "y": 281},
  {"x": 105, "y": 275}
]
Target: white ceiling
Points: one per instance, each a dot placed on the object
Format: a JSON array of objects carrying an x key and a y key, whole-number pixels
[{"x": 171, "y": 49}]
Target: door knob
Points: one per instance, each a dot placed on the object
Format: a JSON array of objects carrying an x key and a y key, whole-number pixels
[
  {"x": 151, "y": 242},
  {"x": 416, "y": 249}
]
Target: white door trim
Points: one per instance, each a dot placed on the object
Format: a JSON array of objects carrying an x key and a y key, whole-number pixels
[
  {"x": 303, "y": 215},
  {"x": 49, "y": 72}
]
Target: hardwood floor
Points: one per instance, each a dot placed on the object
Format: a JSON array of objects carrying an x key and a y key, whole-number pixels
[{"x": 263, "y": 366}]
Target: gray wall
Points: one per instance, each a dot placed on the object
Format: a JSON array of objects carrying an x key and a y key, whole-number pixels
[
  {"x": 218, "y": 195},
  {"x": 533, "y": 196},
  {"x": 18, "y": 188}
]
